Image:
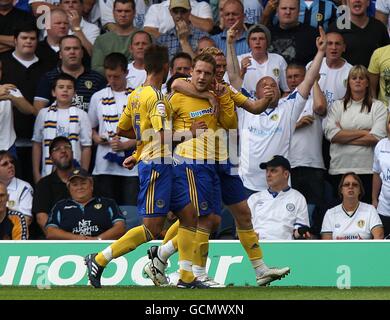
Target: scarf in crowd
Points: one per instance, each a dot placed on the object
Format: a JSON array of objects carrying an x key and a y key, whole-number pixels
[
  {"x": 110, "y": 120},
  {"x": 50, "y": 132}
]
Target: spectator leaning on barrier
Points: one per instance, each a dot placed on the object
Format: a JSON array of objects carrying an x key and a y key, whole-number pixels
[
  {"x": 13, "y": 226},
  {"x": 352, "y": 219},
  {"x": 84, "y": 217}
]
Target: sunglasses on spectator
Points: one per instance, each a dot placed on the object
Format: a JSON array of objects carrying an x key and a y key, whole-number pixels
[{"x": 6, "y": 163}]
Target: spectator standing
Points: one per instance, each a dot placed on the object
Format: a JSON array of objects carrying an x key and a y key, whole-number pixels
[
  {"x": 363, "y": 36},
  {"x": 87, "y": 81},
  {"x": 292, "y": 39},
  {"x": 354, "y": 126},
  {"x": 233, "y": 15},
  {"x": 62, "y": 118},
  {"x": 105, "y": 110},
  {"x": 183, "y": 37},
  {"x": 158, "y": 19},
  {"x": 379, "y": 73},
  {"x": 117, "y": 40}
]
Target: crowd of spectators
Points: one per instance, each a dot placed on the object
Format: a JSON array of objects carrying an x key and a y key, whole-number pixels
[{"x": 67, "y": 67}]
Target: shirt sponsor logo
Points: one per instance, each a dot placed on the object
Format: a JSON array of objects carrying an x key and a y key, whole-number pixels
[{"x": 200, "y": 113}]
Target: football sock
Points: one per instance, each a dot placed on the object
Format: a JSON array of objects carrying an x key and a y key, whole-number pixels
[
  {"x": 250, "y": 243},
  {"x": 128, "y": 242},
  {"x": 201, "y": 250},
  {"x": 185, "y": 236},
  {"x": 171, "y": 232},
  {"x": 167, "y": 249}
]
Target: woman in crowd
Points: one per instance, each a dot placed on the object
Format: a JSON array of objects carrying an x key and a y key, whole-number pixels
[
  {"x": 354, "y": 126},
  {"x": 352, "y": 219}
]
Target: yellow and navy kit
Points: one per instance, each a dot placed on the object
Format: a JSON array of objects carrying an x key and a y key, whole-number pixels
[
  {"x": 186, "y": 110},
  {"x": 147, "y": 112}
]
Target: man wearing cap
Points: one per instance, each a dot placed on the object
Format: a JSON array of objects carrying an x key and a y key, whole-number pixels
[
  {"x": 184, "y": 36},
  {"x": 257, "y": 63},
  {"x": 280, "y": 212},
  {"x": 82, "y": 216},
  {"x": 158, "y": 20}
]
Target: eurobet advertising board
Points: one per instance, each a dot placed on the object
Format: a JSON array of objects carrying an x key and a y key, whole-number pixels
[{"x": 312, "y": 263}]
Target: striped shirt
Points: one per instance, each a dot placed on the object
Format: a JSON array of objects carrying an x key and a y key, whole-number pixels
[{"x": 14, "y": 226}]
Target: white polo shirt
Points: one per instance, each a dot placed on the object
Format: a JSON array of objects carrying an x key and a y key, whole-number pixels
[
  {"x": 382, "y": 167},
  {"x": 264, "y": 135},
  {"x": 276, "y": 218},
  {"x": 158, "y": 15},
  {"x": 20, "y": 196},
  {"x": 357, "y": 226},
  {"x": 95, "y": 114},
  {"x": 275, "y": 67}
]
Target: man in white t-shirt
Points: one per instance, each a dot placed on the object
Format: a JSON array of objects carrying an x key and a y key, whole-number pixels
[
  {"x": 20, "y": 192},
  {"x": 280, "y": 212},
  {"x": 258, "y": 62},
  {"x": 308, "y": 173},
  {"x": 269, "y": 133},
  {"x": 139, "y": 42},
  {"x": 104, "y": 111},
  {"x": 158, "y": 20}
]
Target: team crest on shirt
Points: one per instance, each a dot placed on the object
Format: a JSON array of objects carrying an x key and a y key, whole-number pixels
[
  {"x": 361, "y": 223},
  {"x": 10, "y": 203},
  {"x": 98, "y": 206},
  {"x": 345, "y": 83},
  {"x": 160, "y": 203},
  {"x": 161, "y": 110},
  {"x": 204, "y": 205},
  {"x": 320, "y": 16},
  {"x": 290, "y": 207},
  {"x": 276, "y": 72},
  {"x": 88, "y": 84},
  {"x": 274, "y": 117}
]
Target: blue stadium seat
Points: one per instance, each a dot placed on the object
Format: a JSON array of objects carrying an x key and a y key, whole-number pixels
[
  {"x": 131, "y": 215},
  {"x": 227, "y": 228}
]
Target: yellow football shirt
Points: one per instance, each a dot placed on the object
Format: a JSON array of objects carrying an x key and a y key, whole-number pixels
[
  {"x": 186, "y": 110},
  {"x": 147, "y": 112}
]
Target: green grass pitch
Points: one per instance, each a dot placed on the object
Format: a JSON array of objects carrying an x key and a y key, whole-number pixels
[{"x": 170, "y": 293}]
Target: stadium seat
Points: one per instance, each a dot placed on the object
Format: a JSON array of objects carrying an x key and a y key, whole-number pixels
[{"x": 131, "y": 215}]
